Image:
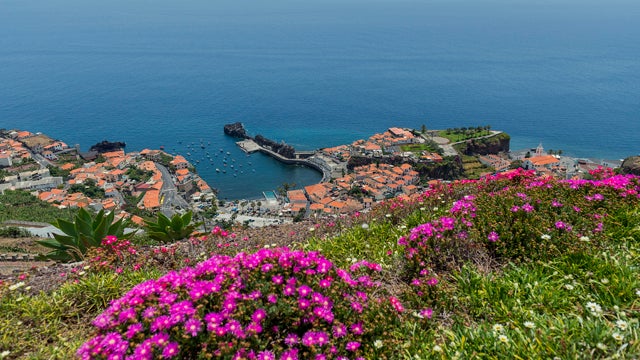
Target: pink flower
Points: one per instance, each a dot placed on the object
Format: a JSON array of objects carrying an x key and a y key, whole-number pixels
[
  {"x": 352, "y": 346},
  {"x": 357, "y": 328},
  {"x": 339, "y": 331},
  {"x": 493, "y": 236},
  {"x": 428, "y": 312}
]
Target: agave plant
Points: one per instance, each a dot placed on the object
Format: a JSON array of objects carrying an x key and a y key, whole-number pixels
[
  {"x": 169, "y": 230},
  {"x": 82, "y": 234}
]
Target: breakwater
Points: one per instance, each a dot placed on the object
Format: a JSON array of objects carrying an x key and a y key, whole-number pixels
[{"x": 284, "y": 153}]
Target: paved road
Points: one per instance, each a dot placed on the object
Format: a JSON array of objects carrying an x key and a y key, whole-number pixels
[{"x": 169, "y": 192}]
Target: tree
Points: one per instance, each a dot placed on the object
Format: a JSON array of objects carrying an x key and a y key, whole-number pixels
[
  {"x": 515, "y": 164},
  {"x": 282, "y": 190},
  {"x": 527, "y": 155},
  {"x": 423, "y": 129}
]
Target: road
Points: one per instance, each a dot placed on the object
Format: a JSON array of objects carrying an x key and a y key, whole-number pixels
[{"x": 169, "y": 194}]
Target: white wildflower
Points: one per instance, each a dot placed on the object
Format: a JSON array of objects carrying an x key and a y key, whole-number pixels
[
  {"x": 365, "y": 226},
  {"x": 437, "y": 348},
  {"x": 312, "y": 229},
  {"x": 503, "y": 339},
  {"x": 377, "y": 344},
  {"x": 498, "y": 328},
  {"x": 4, "y": 354},
  {"x": 81, "y": 273},
  {"x": 423, "y": 208},
  {"x": 388, "y": 215},
  {"x": 638, "y": 292},
  {"x": 601, "y": 346},
  {"x": 16, "y": 286},
  {"x": 568, "y": 286},
  {"x": 585, "y": 238},
  {"x": 622, "y": 325},
  {"x": 604, "y": 281},
  {"x": 87, "y": 267},
  {"x": 546, "y": 237},
  {"x": 594, "y": 308},
  {"x": 435, "y": 208},
  {"x": 617, "y": 336},
  {"x": 28, "y": 288},
  {"x": 529, "y": 325}
]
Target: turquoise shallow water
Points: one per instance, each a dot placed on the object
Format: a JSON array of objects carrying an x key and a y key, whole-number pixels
[{"x": 319, "y": 73}]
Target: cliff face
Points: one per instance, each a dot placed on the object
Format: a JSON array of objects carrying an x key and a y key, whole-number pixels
[
  {"x": 631, "y": 165},
  {"x": 492, "y": 145}
]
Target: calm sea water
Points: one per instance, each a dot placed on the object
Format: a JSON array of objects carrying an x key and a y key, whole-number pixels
[{"x": 319, "y": 73}]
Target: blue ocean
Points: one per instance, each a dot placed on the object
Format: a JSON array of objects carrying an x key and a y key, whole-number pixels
[{"x": 317, "y": 73}]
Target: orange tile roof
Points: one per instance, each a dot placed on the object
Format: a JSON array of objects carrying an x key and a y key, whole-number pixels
[
  {"x": 543, "y": 160},
  {"x": 316, "y": 206},
  {"x": 151, "y": 199},
  {"x": 114, "y": 154},
  {"x": 296, "y": 196}
]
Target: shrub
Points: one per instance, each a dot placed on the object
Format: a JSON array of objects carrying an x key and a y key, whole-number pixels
[
  {"x": 275, "y": 303},
  {"x": 84, "y": 233},
  {"x": 515, "y": 217}
]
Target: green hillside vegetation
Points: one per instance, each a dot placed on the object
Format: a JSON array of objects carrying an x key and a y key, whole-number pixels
[
  {"x": 510, "y": 267},
  {"x": 21, "y": 205}
]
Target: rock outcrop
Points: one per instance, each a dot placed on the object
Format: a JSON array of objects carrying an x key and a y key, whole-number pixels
[
  {"x": 236, "y": 130},
  {"x": 631, "y": 165},
  {"x": 107, "y": 146}
]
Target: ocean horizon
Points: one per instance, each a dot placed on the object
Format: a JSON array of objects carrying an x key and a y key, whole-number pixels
[{"x": 319, "y": 73}]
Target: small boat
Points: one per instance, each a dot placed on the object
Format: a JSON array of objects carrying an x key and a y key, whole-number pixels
[
  {"x": 228, "y": 153},
  {"x": 217, "y": 170},
  {"x": 161, "y": 147},
  {"x": 188, "y": 154}
]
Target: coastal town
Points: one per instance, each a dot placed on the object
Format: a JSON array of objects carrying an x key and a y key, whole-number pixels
[{"x": 398, "y": 162}]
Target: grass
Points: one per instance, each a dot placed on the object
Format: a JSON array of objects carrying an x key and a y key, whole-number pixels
[
  {"x": 460, "y": 136},
  {"x": 583, "y": 304},
  {"x": 419, "y": 148}
]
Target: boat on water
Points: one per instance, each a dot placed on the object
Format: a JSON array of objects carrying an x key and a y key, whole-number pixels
[
  {"x": 217, "y": 170},
  {"x": 228, "y": 153}
]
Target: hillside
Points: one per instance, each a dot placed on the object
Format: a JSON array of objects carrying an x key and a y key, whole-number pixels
[{"x": 509, "y": 266}]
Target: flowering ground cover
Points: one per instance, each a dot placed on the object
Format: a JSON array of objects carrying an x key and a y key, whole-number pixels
[{"x": 510, "y": 266}]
